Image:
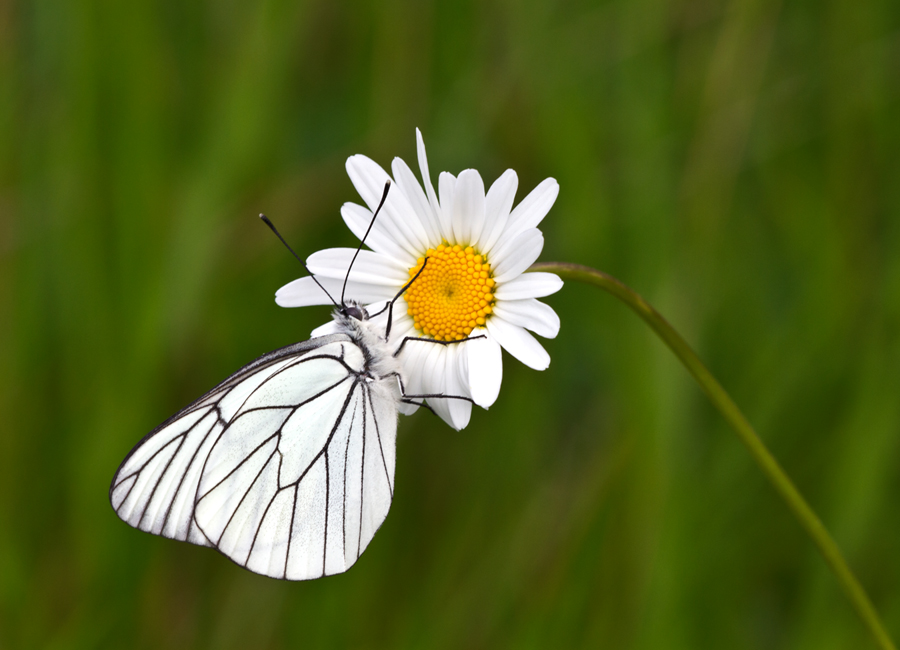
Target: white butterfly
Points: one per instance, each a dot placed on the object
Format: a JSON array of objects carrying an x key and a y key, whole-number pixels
[{"x": 286, "y": 467}]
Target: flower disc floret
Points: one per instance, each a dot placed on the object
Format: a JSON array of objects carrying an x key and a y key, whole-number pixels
[{"x": 454, "y": 293}]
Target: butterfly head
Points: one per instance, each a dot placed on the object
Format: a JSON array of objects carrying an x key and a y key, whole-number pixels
[{"x": 354, "y": 310}]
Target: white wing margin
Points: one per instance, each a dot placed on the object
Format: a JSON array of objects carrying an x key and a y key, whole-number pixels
[{"x": 287, "y": 467}]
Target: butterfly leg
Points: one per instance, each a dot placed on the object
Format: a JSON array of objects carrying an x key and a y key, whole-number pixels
[
  {"x": 390, "y": 307},
  {"x": 404, "y": 397},
  {"x": 415, "y": 403},
  {"x": 426, "y": 340}
]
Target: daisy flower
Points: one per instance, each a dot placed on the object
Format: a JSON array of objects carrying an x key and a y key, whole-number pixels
[{"x": 474, "y": 284}]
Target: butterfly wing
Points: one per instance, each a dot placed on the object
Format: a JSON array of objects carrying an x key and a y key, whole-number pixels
[
  {"x": 287, "y": 467},
  {"x": 155, "y": 487}
]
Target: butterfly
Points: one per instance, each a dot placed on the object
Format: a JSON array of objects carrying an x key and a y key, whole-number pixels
[{"x": 287, "y": 466}]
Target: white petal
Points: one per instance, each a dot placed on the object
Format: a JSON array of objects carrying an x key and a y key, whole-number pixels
[
  {"x": 530, "y": 314},
  {"x": 397, "y": 216},
  {"x": 497, "y": 205},
  {"x": 462, "y": 377},
  {"x": 533, "y": 208},
  {"x": 369, "y": 267},
  {"x": 368, "y": 177},
  {"x": 468, "y": 207},
  {"x": 408, "y": 184},
  {"x": 536, "y": 284},
  {"x": 460, "y": 409},
  {"x": 519, "y": 343},
  {"x": 358, "y": 220},
  {"x": 414, "y": 358},
  {"x": 485, "y": 369},
  {"x": 447, "y": 188},
  {"x": 440, "y": 377},
  {"x": 513, "y": 259},
  {"x": 304, "y": 291},
  {"x": 406, "y": 408},
  {"x": 330, "y": 327},
  {"x": 433, "y": 380},
  {"x": 426, "y": 179},
  {"x": 362, "y": 292}
]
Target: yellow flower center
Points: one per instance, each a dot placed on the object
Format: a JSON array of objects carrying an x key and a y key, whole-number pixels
[{"x": 454, "y": 294}]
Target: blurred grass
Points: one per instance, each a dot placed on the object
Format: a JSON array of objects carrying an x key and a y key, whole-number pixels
[{"x": 735, "y": 162}]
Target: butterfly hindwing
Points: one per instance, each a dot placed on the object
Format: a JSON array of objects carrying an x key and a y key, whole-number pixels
[{"x": 284, "y": 491}]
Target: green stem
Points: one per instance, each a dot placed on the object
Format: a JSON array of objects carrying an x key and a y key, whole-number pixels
[{"x": 729, "y": 410}]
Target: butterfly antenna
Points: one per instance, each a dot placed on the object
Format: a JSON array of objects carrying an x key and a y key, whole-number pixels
[
  {"x": 387, "y": 187},
  {"x": 266, "y": 221},
  {"x": 387, "y": 330}
]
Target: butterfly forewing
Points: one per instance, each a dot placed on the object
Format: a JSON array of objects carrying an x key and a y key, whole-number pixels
[{"x": 155, "y": 487}]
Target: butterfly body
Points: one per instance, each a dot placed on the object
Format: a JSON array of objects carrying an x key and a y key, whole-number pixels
[{"x": 286, "y": 467}]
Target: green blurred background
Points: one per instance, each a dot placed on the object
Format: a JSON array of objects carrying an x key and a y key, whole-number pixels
[{"x": 737, "y": 162}]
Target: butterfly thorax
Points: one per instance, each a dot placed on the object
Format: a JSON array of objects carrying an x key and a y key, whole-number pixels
[{"x": 380, "y": 360}]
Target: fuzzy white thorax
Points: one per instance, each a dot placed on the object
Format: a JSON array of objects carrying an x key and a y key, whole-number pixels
[{"x": 380, "y": 355}]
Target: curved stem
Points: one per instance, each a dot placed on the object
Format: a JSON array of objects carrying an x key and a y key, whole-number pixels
[{"x": 729, "y": 410}]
